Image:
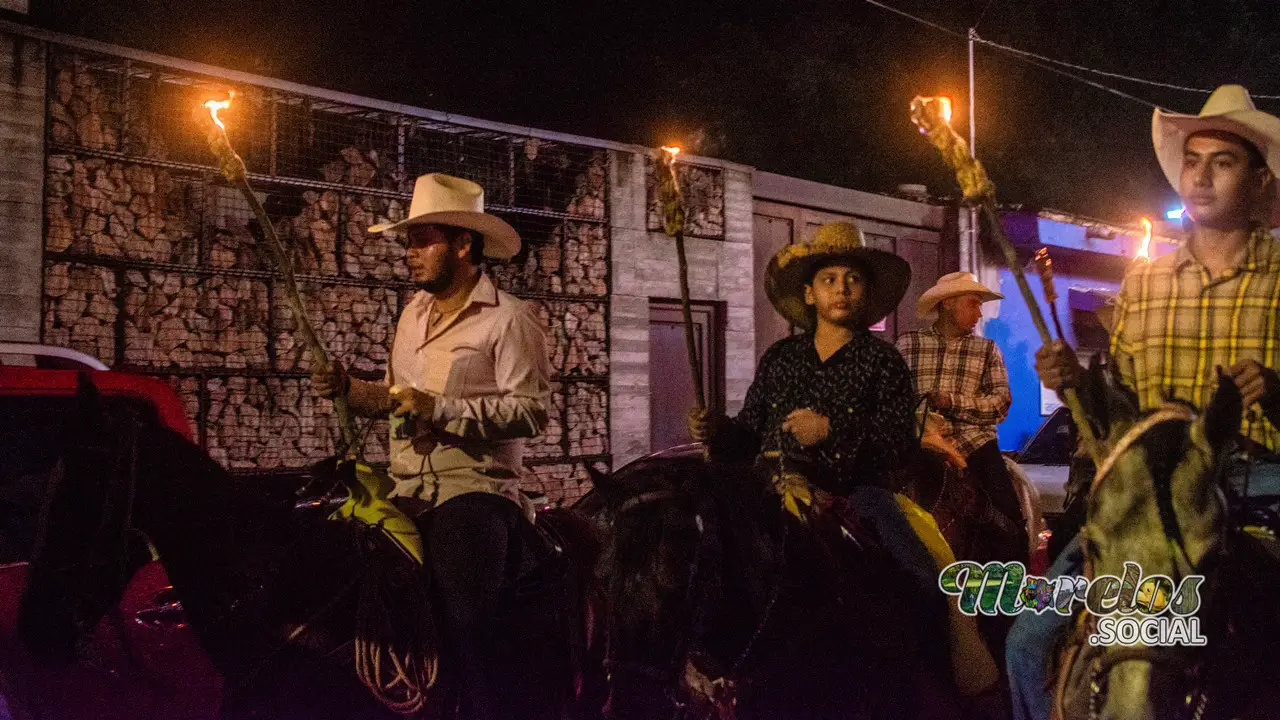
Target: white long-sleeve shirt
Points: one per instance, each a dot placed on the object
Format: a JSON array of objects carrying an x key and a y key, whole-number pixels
[{"x": 487, "y": 367}]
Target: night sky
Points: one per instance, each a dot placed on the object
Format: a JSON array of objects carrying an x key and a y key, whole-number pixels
[{"x": 813, "y": 88}]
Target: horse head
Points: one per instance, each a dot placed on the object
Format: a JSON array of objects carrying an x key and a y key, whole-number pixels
[
  {"x": 1155, "y": 501},
  {"x": 680, "y": 532},
  {"x": 82, "y": 556}
]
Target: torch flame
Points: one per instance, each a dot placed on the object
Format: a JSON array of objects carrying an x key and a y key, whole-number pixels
[
  {"x": 218, "y": 105},
  {"x": 1144, "y": 250},
  {"x": 945, "y": 104},
  {"x": 671, "y": 151}
]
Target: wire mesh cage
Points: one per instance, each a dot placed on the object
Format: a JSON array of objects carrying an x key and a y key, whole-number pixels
[
  {"x": 153, "y": 265},
  {"x": 702, "y": 191}
]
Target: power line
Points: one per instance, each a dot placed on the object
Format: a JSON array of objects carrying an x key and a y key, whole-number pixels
[
  {"x": 1045, "y": 63},
  {"x": 913, "y": 18},
  {"x": 1086, "y": 81},
  {"x": 1104, "y": 73},
  {"x": 982, "y": 14}
]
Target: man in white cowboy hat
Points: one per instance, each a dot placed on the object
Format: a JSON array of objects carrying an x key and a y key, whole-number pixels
[
  {"x": 1214, "y": 303},
  {"x": 467, "y": 384},
  {"x": 964, "y": 379},
  {"x": 835, "y": 395}
]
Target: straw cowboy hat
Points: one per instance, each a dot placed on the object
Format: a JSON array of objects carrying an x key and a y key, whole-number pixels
[
  {"x": 1229, "y": 109},
  {"x": 440, "y": 199},
  {"x": 794, "y": 265},
  {"x": 949, "y": 286}
]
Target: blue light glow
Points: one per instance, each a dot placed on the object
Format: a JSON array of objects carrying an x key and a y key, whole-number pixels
[{"x": 1175, "y": 214}]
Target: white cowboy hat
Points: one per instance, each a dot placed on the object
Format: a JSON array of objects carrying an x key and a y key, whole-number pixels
[
  {"x": 1229, "y": 109},
  {"x": 793, "y": 267},
  {"x": 951, "y": 285},
  {"x": 440, "y": 199}
]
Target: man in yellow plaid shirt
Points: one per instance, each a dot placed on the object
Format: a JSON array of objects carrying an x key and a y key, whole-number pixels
[{"x": 1214, "y": 303}]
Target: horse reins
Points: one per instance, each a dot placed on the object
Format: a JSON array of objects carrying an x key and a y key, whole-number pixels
[
  {"x": 1100, "y": 665},
  {"x": 1169, "y": 412}
]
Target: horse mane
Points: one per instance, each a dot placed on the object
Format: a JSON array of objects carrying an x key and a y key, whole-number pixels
[{"x": 722, "y": 523}]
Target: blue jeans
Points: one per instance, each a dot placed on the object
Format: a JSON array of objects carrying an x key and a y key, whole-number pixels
[
  {"x": 1028, "y": 643},
  {"x": 878, "y": 507}
]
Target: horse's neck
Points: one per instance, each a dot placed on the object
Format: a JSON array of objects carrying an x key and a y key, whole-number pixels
[
  {"x": 217, "y": 544},
  {"x": 752, "y": 553}
]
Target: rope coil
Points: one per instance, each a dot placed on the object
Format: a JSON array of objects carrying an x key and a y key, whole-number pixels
[{"x": 396, "y": 645}]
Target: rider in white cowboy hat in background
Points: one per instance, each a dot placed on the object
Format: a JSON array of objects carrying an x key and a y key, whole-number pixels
[
  {"x": 467, "y": 383},
  {"x": 1214, "y": 303},
  {"x": 964, "y": 378}
]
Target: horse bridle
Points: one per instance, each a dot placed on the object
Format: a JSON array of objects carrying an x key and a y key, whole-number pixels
[
  {"x": 1101, "y": 664},
  {"x": 682, "y": 656}
]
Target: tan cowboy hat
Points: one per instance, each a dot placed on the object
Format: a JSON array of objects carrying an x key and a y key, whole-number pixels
[
  {"x": 951, "y": 285},
  {"x": 1229, "y": 109},
  {"x": 440, "y": 199},
  {"x": 793, "y": 267}
]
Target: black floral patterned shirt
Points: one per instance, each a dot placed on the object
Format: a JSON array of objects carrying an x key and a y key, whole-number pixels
[{"x": 864, "y": 389}]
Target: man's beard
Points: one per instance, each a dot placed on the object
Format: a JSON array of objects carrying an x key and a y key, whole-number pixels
[{"x": 443, "y": 279}]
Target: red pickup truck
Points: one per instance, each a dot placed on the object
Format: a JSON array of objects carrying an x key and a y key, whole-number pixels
[{"x": 144, "y": 662}]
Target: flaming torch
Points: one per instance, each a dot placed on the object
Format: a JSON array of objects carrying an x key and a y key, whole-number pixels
[
  {"x": 398, "y": 668},
  {"x": 932, "y": 116},
  {"x": 1044, "y": 266},
  {"x": 1144, "y": 250},
  {"x": 233, "y": 169},
  {"x": 673, "y": 224}
]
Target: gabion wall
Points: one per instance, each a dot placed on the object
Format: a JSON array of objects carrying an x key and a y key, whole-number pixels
[{"x": 150, "y": 267}]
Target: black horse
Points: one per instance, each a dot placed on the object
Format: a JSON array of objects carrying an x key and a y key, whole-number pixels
[
  {"x": 274, "y": 596},
  {"x": 721, "y": 602}
]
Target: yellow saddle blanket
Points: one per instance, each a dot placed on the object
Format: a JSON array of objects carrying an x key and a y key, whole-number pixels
[{"x": 972, "y": 666}]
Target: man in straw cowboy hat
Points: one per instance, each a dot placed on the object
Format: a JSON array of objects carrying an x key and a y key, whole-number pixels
[
  {"x": 467, "y": 383},
  {"x": 1213, "y": 303},
  {"x": 963, "y": 377},
  {"x": 834, "y": 395}
]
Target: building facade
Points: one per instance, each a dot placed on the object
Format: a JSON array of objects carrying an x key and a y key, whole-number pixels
[
  {"x": 123, "y": 241},
  {"x": 1089, "y": 261}
]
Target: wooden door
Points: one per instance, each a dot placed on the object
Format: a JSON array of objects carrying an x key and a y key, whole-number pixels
[
  {"x": 771, "y": 235},
  {"x": 670, "y": 379},
  {"x": 924, "y": 260}
]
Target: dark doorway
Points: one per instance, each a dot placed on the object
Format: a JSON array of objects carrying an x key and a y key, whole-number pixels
[{"x": 670, "y": 380}]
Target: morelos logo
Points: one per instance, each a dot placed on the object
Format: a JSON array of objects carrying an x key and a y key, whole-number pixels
[{"x": 1131, "y": 610}]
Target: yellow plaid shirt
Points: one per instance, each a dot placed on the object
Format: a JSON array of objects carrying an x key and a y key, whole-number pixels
[{"x": 1175, "y": 325}]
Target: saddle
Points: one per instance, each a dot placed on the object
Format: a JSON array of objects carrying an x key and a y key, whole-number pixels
[{"x": 812, "y": 505}]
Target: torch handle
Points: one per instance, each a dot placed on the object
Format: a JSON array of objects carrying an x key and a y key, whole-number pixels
[
  {"x": 318, "y": 354},
  {"x": 1057, "y": 322},
  {"x": 691, "y": 343},
  {"x": 1011, "y": 261}
]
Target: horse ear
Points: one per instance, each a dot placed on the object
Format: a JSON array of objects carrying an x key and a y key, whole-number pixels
[
  {"x": 1122, "y": 403},
  {"x": 1222, "y": 415},
  {"x": 88, "y": 398},
  {"x": 605, "y": 484},
  {"x": 1110, "y": 407}
]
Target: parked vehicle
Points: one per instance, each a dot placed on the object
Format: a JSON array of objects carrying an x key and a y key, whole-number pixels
[
  {"x": 143, "y": 663},
  {"x": 1046, "y": 461}
]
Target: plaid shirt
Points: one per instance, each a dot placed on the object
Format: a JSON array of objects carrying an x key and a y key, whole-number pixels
[
  {"x": 971, "y": 372},
  {"x": 1175, "y": 325}
]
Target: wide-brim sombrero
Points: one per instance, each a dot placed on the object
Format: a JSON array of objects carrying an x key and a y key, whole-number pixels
[{"x": 793, "y": 267}]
